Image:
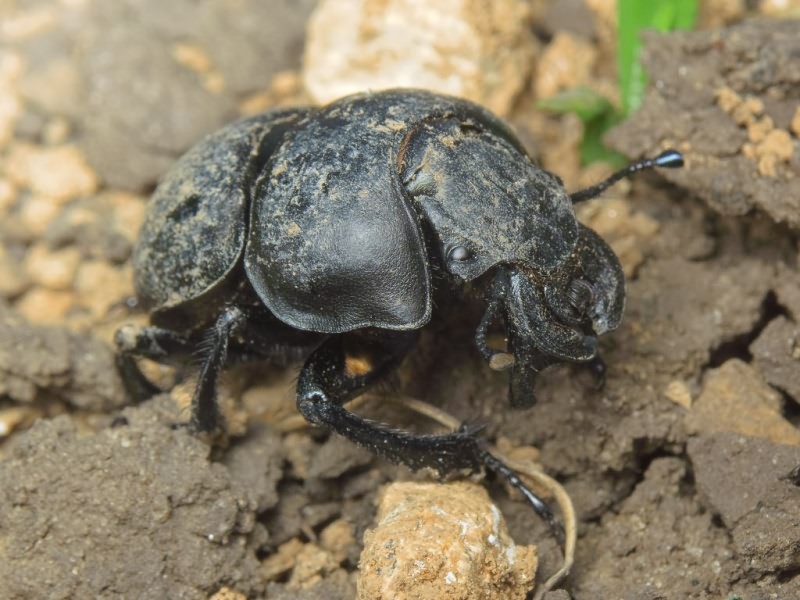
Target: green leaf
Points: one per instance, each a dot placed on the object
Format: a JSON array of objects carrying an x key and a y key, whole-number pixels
[
  {"x": 583, "y": 101},
  {"x": 634, "y": 16},
  {"x": 685, "y": 14},
  {"x": 595, "y": 111},
  {"x": 598, "y": 116},
  {"x": 592, "y": 148}
]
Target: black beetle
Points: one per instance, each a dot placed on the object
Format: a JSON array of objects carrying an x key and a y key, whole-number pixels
[{"x": 325, "y": 232}]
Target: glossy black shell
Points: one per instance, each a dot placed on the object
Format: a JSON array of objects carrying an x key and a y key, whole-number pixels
[{"x": 322, "y": 212}]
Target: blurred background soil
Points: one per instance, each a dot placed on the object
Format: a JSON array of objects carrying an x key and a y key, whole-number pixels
[{"x": 684, "y": 468}]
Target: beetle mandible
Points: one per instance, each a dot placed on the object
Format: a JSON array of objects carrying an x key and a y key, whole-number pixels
[{"x": 324, "y": 232}]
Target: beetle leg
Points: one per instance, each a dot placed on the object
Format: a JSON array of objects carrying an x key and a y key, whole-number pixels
[
  {"x": 138, "y": 387},
  {"x": 154, "y": 343},
  {"x": 326, "y": 383},
  {"x": 205, "y": 412},
  {"x": 539, "y": 506},
  {"x": 491, "y": 313},
  {"x": 597, "y": 366},
  {"x": 163, "y": 345}
]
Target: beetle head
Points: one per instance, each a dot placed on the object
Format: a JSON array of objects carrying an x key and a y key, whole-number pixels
[
  {"x": 558, "y": 284},
  {"x": 558, "y": 318},
  {"x": 491, "y": 208}
]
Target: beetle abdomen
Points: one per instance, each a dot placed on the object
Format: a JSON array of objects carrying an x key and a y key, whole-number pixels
[{"x": 195, "y": 228}]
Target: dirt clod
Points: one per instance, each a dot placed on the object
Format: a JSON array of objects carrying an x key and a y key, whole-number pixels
[
  {"x": 255, "y": 464},
  {"x": 662, "y": 541},
  {"x": 41, "y": 362},
  {"x": 147, "y": 511},
  {"x": 442, "y": 542},
  {"x": 776, "y": 353},
  {"x": 735, "y": 398},
  {"x": 744, "y": 96},
  {"x": 751, "y": 483}
]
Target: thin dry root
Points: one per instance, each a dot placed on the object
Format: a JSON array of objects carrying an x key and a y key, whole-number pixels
[{"x": 525, "y": 469}]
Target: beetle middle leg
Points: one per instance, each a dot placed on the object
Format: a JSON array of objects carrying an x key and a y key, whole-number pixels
[
  {"x": 205, "y": 411},
  {"x": 155, "y": 343},
  {"x": 166, "y": 346}
]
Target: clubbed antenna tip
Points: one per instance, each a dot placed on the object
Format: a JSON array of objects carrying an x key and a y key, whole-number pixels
[{"x": 669, "y": 159}]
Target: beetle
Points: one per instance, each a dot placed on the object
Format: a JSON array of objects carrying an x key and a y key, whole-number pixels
[{"x": 325, "y": 232}]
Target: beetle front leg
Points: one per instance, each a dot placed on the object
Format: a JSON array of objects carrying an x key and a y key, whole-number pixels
[
  {"x": 597, "y": 367},
  {"x": 326, "y": 383}
]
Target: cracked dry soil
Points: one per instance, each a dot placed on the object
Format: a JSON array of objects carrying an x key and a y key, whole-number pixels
[{"x": 683, "y": 468}]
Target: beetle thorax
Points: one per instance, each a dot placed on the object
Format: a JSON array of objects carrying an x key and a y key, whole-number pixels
[{"x": 486, "y": 203}]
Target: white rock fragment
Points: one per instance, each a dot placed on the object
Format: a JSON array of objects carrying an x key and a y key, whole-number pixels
[{"x": 482, "y": 51}]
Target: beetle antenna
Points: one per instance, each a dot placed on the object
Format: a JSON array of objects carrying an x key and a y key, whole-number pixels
[{"x": 669, "y": 159}]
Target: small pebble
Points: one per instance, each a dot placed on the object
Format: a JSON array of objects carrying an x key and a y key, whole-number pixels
[
  {"x": 311, "y": 565},
  {"x": 58, "y": 172},
  {"x": 227, "y": 593},
  {"x": 795, "y": 126},
  {"x": 678, "y": 392},
  {"x": 53, "y": 269},
  {"x": 8, "y": 195},
  {"x": 10, "y": 110},
  {"x": 101, "y": 285},
  {"x": 15, "y": 417},
  {"x": 13, "y": 278},
  {"x": 282, "y": 560},
  {"x": 336, "y": 538},
  {"x": 36, "y": 213},
  {"x": 40, "y": 305},
  {"x": 566, "y": 63},
  {"x": 780, "y": 8}
]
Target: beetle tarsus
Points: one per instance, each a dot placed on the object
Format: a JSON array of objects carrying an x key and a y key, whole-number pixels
[
  {"x": 495, "y": 465},
  {"x": 489, "y": 316}
]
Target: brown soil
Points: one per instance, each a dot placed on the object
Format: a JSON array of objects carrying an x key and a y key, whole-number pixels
[{"x": 683, "y": 467}]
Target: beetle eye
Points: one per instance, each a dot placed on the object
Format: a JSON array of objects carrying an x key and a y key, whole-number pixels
[{"x": 459, "y": 253}]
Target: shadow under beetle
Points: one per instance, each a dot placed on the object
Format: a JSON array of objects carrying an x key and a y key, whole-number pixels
[{"x": 325, "y": 232}]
